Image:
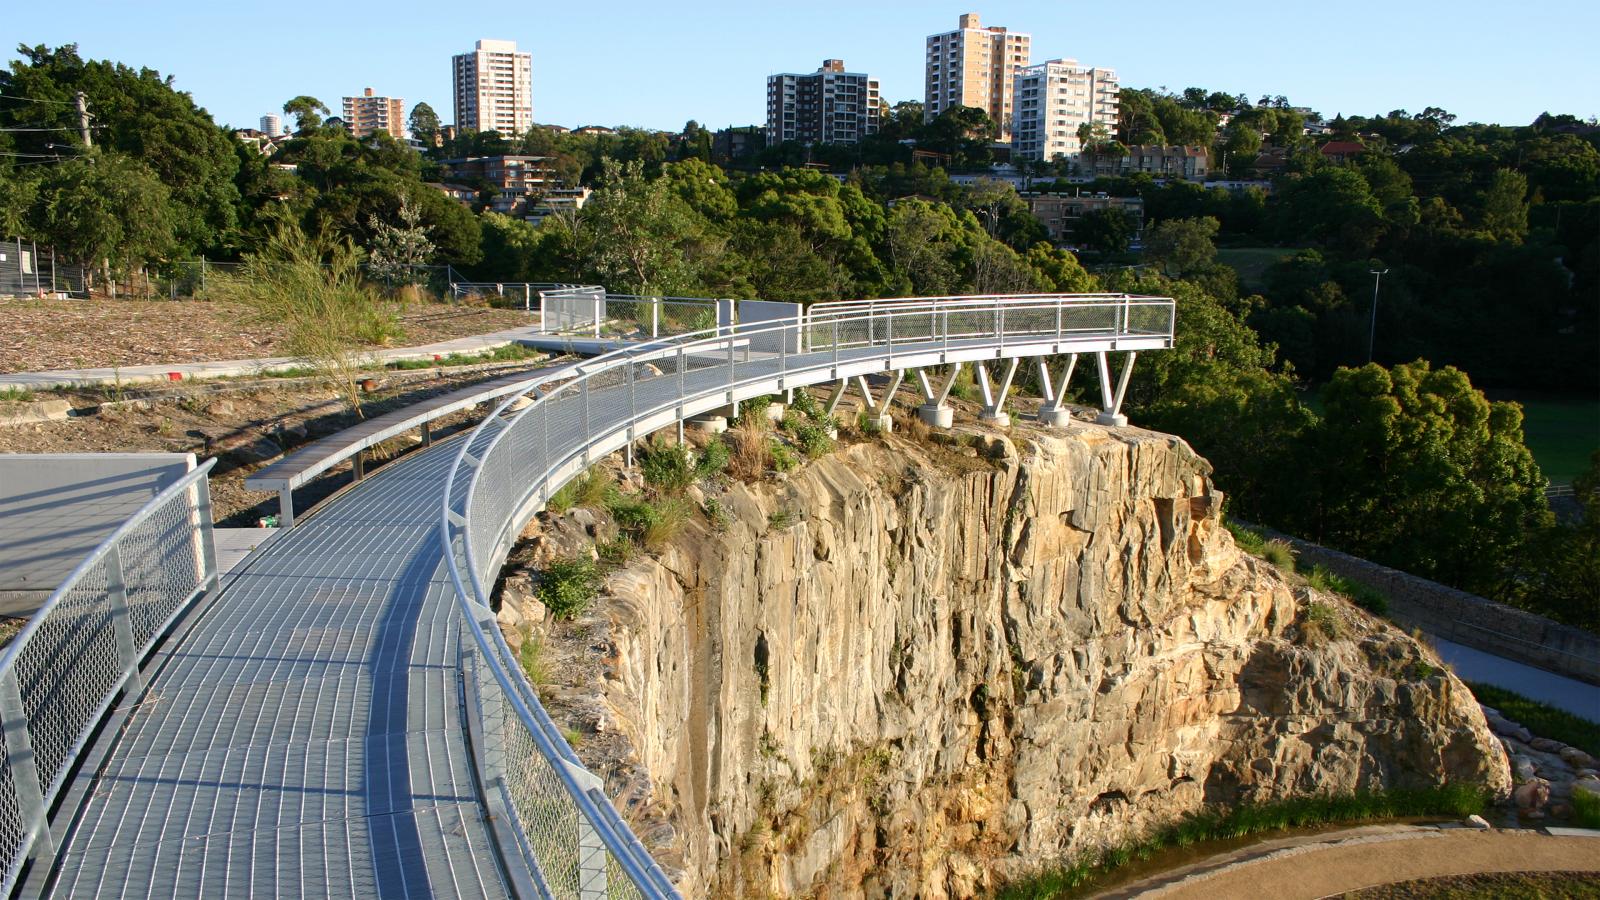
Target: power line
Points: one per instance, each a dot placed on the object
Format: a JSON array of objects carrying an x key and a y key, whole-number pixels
[
  {"x": 54, "y": 128},
  {"x": 37, "y": 100}
]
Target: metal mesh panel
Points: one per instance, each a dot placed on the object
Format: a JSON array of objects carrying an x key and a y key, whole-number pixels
[{"x": 93, "y": 631}]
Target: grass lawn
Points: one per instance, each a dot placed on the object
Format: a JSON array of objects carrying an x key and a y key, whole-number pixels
[
  {"x": 1561, "y": 432},
  {"x": 1251, "y": 262}
]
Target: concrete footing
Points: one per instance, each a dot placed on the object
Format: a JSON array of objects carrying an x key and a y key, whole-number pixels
[
  {"x": 775, "y": 411},
  {"x": 1114, "y": 421},
  {"x": 1058, "y": 418},
  {"x": 937, "y": 415},
  {"x": 995, "y": 417},
  {"x": 885, "y": 422},
  {"x": 711, "y": 424}
]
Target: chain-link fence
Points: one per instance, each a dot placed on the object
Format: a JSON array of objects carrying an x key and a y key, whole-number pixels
[
  {"x": 29, "y": 270},
  {"x": 569, "y": 835},
  {"x": 60, "y": 676}
]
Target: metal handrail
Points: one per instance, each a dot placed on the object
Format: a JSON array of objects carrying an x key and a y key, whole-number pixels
[
  {"x": 98, "y": 622},
  {"x": 473, "y": 544}
]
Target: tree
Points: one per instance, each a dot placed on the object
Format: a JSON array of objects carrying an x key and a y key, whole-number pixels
[
  {"x": 137, "y": 114},
  {"x": 307, "y": 111},
  {"x": 396, "y": 251},
  {"x": 1107, "y": 230},
  {"x": 424, "y": 123},
  {"x": 1564, "y": 580},
  {"x": 1181, "y": 246},
  {"x": 106, "y": 210},
  {"x": 923, "y": 240},
  {"x": 1421, "y": 472},
  {"x": 1333, "y": 206},
  {"x": 1505, "y": 206},
  {"x": 638, "y": 235}
]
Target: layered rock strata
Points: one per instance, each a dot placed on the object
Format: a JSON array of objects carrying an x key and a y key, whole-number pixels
[{"x": 919, "y": 669}]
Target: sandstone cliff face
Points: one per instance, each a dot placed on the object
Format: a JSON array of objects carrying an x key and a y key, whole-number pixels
[{"x": 904, "y": 670}]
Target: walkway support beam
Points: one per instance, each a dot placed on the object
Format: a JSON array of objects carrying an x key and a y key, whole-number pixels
[
  {"x": 934, "y": 409},
  {"x": 994, "y": 396},
  {"x": 1053, "y": 411}
]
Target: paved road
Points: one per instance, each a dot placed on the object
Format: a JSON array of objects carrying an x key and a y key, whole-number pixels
[
  {"x": 1570, "y": 694},
  {"x": 304, "y": 738}
]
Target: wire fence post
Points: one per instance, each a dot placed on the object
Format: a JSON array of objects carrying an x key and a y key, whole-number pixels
[{"x": 117, "y": 596}]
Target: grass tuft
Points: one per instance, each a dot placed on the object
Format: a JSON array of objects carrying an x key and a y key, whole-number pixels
[
  {"x": 1320, "y": 623},
  {"x": 1280, "y": 554}
]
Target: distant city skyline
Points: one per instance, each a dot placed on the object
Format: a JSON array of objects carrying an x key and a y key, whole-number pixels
[{"x": 631, "y": 63}]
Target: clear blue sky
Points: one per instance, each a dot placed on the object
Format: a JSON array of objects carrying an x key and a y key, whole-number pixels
[{"x": 655, "y": 64}]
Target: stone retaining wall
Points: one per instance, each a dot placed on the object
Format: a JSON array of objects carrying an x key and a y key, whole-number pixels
[{"x": 1464, "y": 618}]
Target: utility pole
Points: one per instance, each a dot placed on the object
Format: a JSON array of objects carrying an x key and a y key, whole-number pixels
[
  {"x": 1372, "y": 335},
  {"x": 83, "y": 119}
]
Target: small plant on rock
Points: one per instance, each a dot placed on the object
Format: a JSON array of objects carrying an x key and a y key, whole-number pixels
[
  {"x": 567, "y": 585},
  {"x": 1319, "y": 623}
]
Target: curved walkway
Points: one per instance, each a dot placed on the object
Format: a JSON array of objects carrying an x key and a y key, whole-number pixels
[
  {"x": 1332, "y": 864},
  {"x": 304, "y": 737}
]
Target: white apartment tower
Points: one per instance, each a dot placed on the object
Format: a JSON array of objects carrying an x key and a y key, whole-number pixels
[
  {"x": 1053, "y": 100},
  {"x": 829, "y": 106},
  {"x": 494, "y": 89},
  {"x": 974, "y": 66},
  {"x": 271, "y": 125}
]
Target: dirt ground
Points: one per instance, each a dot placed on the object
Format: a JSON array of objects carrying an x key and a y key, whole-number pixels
[
  {"x": 81, "y": 334},
  {"x": 244, "y": 426}
]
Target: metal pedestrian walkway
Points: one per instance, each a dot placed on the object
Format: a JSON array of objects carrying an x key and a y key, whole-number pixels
[{"x": 305, "y": 736}]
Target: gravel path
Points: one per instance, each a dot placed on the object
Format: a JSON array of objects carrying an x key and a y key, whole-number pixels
[{"x": 1329, "y": 865}]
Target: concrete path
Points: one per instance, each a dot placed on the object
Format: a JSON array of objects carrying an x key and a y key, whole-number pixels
[
  {"x": 1307, "y": 868},
  {"x": 1570, "y": 694},
  {"x": 69, "y": 378}
]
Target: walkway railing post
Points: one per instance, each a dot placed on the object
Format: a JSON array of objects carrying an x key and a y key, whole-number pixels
[
  {"x": 121, "y": 624},
  {"x": 24, "y": 765}
]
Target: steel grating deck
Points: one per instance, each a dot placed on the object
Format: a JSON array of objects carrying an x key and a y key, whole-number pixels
[{"x": 305, "y": 738}]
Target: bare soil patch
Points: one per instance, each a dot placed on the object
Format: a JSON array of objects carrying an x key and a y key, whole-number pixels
[
  {"x": 239, "y": 427},
  {"x": 36, "y": 335},
  {"x": 1526, "y": 885}
]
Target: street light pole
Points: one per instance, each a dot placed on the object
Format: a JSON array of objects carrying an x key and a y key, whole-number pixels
[{"x": 1372, "y": 334}]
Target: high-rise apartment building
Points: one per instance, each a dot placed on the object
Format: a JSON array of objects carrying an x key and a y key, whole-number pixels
[
  {"x": 365, "y": 114},
  {"x": 974, "y": 66},
  {"x": 271, "y": 125},
  {"x": 494, "y": 89},
  {"x": 1053, "y": 101},
  {"x": 829, "y": 106}
]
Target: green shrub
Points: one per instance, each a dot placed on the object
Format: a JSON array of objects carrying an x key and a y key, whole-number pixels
[
  {"x": 1084, "y": 872},
  {"x": 806, "y": 405},
  {"x": 783, "y": 459},
  {"x": 567, "y": 585},
  {"x": 867, "y": 424},
  {"x": 595, "y": 489},
  {"x": 666, "y": 467},
  {"x": 16, "y": 395},
  {"x": 1540, "y": 718},
  {"x": 813, "y": 440},
  {"x": 713, "y": 459},
  {"x": 753, "y": 410}
]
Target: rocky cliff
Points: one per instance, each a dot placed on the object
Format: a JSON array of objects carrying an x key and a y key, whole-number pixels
[{"x": 919, "y": 669}]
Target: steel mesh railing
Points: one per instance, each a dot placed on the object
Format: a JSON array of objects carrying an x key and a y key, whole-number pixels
[
  {"x": 61, "y": 674},
  {"x": 589, "y": 311},
  {"x": 571, "y": 838}
]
